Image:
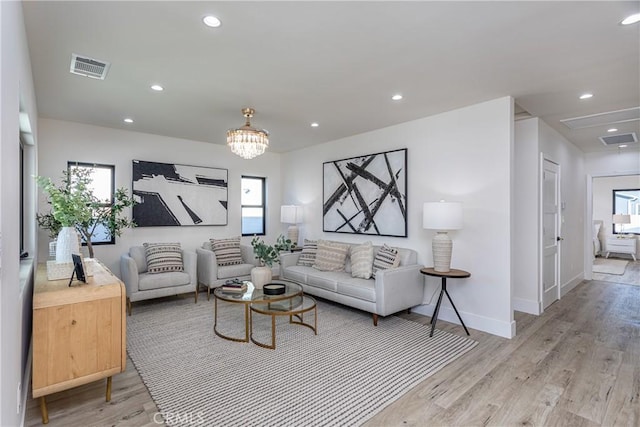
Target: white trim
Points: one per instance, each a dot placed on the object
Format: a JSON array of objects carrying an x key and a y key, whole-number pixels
[
  {"x": 26, "y": 383},
  {"x": 572, "y": 283},
  {"x": 527, "y": 306},
  {"x": 481, "y": 323}
]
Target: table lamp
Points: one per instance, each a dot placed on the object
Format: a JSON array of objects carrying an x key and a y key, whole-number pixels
[
  {"x": 621, "y": 219},
  {"x": 442, "y": 216},
  {"x": 291, "y": 214}
]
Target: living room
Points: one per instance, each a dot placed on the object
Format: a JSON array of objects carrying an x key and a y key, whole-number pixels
[{"x": 474, "y": 153}]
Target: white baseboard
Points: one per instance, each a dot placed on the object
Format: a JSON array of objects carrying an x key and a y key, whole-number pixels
[
  {"x": 572, "y": 283},
  {"x": 481, "y": 323},
  {"x": 527, "y": 306}
]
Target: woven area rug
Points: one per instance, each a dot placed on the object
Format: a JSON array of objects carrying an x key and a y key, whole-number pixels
[
  {"x": 342, "y": 376},
  {"x": 609, "y": 266}
]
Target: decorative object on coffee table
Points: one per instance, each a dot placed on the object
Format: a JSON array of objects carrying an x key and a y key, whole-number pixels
[
  {"x": 442, "y": 216},
  {"x": 267, "y": 255},
  {"x": 273, "y": 289}
]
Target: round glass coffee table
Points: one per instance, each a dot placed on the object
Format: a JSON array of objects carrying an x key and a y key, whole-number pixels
[
  {"x": 294, "y": 307},
  {"x": 250, "y": 296}
]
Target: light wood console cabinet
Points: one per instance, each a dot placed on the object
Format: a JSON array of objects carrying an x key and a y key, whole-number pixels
[{"x": 79, "y": 332}]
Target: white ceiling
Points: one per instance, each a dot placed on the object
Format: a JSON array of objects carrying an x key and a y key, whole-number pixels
[{"x": 335, "y": 63}]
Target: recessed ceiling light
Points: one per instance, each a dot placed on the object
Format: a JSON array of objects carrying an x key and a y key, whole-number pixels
[
  {"x": 622, "y": 146},
  {"x": 211, "y": 21},
  {"x": 128, "y": 120},
  {"x": 612, "y": 130},
  {"x": 314, "y": 125},
  {"x": 586, "y": 96},
  {"x": 157, "y": 88},
  {"x": 632, "y": 19},
  {"x": 396, "y": 97}
]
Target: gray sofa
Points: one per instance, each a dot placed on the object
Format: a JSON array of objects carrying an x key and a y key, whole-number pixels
[
  {"x": 388, "y": 292},
  {"x": 211, "y": 275},
  {"x": 141, "y": 285}
]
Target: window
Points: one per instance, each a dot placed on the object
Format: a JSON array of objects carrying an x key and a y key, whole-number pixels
[
  {"x": 626, "y": 204},
  {"x": 252, "y": 200},
  {"x": 103, "y": 188}
]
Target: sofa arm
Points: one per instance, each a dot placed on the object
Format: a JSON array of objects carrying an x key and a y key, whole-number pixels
[
  {"x": 398, "y": 289},
  {"x": 189, "y": 262},
  {"x": 129, "y": 273},
  {"x": 207, "y": 267},
  {"x": 288, "y": 259},
  {"x": 248, "y": 256}
]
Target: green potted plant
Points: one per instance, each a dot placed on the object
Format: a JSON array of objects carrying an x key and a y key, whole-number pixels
[
  {"x": 283, "y": 244},
  {"x": 267, "y": 255},
  {"x": 74, "y": 208}
]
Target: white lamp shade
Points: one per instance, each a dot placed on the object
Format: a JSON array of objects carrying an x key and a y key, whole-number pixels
[
  {"x": 442, "y": 215},
  {"x": 291, "y": 214},
  {"x": 621, "y": 219}
]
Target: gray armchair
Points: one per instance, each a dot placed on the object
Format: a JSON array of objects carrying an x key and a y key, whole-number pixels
[
  {"x": 142, "y": 285},
  {"x": 211, "y": 275}
]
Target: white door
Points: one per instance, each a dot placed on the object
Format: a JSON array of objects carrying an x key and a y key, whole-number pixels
[{"x": 550, "y": 232}]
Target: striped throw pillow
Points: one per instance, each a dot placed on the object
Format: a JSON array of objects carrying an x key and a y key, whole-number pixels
[
  {"x": 227, "y": 251},
  {"x": 386, "y": 258},
  {"x": 362, "y": 260},
  {"x": 331, "y": 256},
  {"x": 308, "y": 255},
  {"x": 163, "y": 257}
]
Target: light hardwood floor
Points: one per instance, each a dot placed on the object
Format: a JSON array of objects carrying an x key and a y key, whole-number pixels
[{"x": 577, "y": 364}]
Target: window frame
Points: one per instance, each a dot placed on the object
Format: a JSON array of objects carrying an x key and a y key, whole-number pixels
[
  {"x": 70, "y": 164},
  {"x": 614, "y": 227},
  {"x": 263, "y": 206}
]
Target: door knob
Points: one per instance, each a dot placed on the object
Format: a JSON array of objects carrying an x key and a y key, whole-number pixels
[{"x": 559, "y": 238}]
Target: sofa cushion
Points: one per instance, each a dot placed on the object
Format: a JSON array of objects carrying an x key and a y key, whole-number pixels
[
  {"x": 163, "y": 257},
  {"x": 308, "y": 255},
  {"x": 326, "y": 279},
  {"x": 364, "y": 289},
  {"x": 139, "y": 255},
  {"x": 227, "y": 251},
  {"x": 298, "y": 273},
  {"x": 386, "y": 258},
  {"x": 236, "y": 270},
  {"x": 362, "y": 260},
  {"x": 150, "y": 281},
  {"x": 331, "y": 256}
]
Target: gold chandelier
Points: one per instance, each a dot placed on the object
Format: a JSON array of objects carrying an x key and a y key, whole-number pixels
[{"x": 246, "y": 141}]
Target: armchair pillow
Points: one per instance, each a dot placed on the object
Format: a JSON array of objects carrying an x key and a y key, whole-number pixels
[
  {"x": 362, "y": 260},
  {"x": 386, "y": 258},
  {"x": 227, "y": 251},
  {"x": 163, "y": 257},
  {"x": 308, "y": 255},
  {"x": 331, "y": 256}
]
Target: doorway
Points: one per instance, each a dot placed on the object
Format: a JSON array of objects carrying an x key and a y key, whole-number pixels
[{"x": 550, "y": 232}]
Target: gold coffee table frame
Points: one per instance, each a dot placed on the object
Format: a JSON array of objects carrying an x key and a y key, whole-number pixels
[
  {"x": 249, "y": 296},
  {"x": 293, "y": 307}
]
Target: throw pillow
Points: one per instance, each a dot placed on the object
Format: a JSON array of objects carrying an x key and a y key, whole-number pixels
[
  {"x": 163, "y": 257},
  {"x": 362, "y": 260},
  {"x": 331, "y": 256},
  {"x": 386, "y": 258},
  {"x": 308, "y": 255},
  {"x": 227, "y": 251}
]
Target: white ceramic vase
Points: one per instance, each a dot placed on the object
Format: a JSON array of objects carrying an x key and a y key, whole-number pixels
[
  {"x": 67, "y": 244},
  {"x": 260, "y": 276}
]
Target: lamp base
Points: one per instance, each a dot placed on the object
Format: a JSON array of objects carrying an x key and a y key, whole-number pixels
[
  {"x": 293, "y": 234},
  {"x": 442, "y": 247}
]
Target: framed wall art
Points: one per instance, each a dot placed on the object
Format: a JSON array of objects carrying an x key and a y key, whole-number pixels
[
  {"x": 366, "y": 194},
  {"x": 169, "y": 194}
]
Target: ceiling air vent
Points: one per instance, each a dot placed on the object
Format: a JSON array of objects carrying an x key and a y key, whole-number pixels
[
  {"x": 88, "y": 67},
  {"x": 623, "y": 138}
]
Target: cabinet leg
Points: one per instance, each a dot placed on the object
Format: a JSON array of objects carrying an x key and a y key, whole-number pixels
[
  {"x": 108, "y": 389},
  {"x": 43, "y": 410}
]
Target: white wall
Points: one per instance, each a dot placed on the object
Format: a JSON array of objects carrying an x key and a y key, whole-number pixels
[
  {"x": 462, "y": 155},
  {"x": 61, "y": 141},
  {"x": 15, "y": 301},
  {"x": 526, "y": 248}
]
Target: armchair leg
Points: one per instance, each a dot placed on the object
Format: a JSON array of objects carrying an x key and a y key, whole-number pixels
[
  {"x": 129, "y": 306},
  {"x": 409, "y": 310},
  {"x": 208, "y": 292},
  {"x": 375, "y": 319},
  {"x": 196, "y": 294}
]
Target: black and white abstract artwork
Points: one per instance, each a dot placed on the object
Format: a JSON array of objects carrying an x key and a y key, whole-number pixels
[
  {"x": 366, "y": 194},
  {"x": 171, "y": 194}
]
